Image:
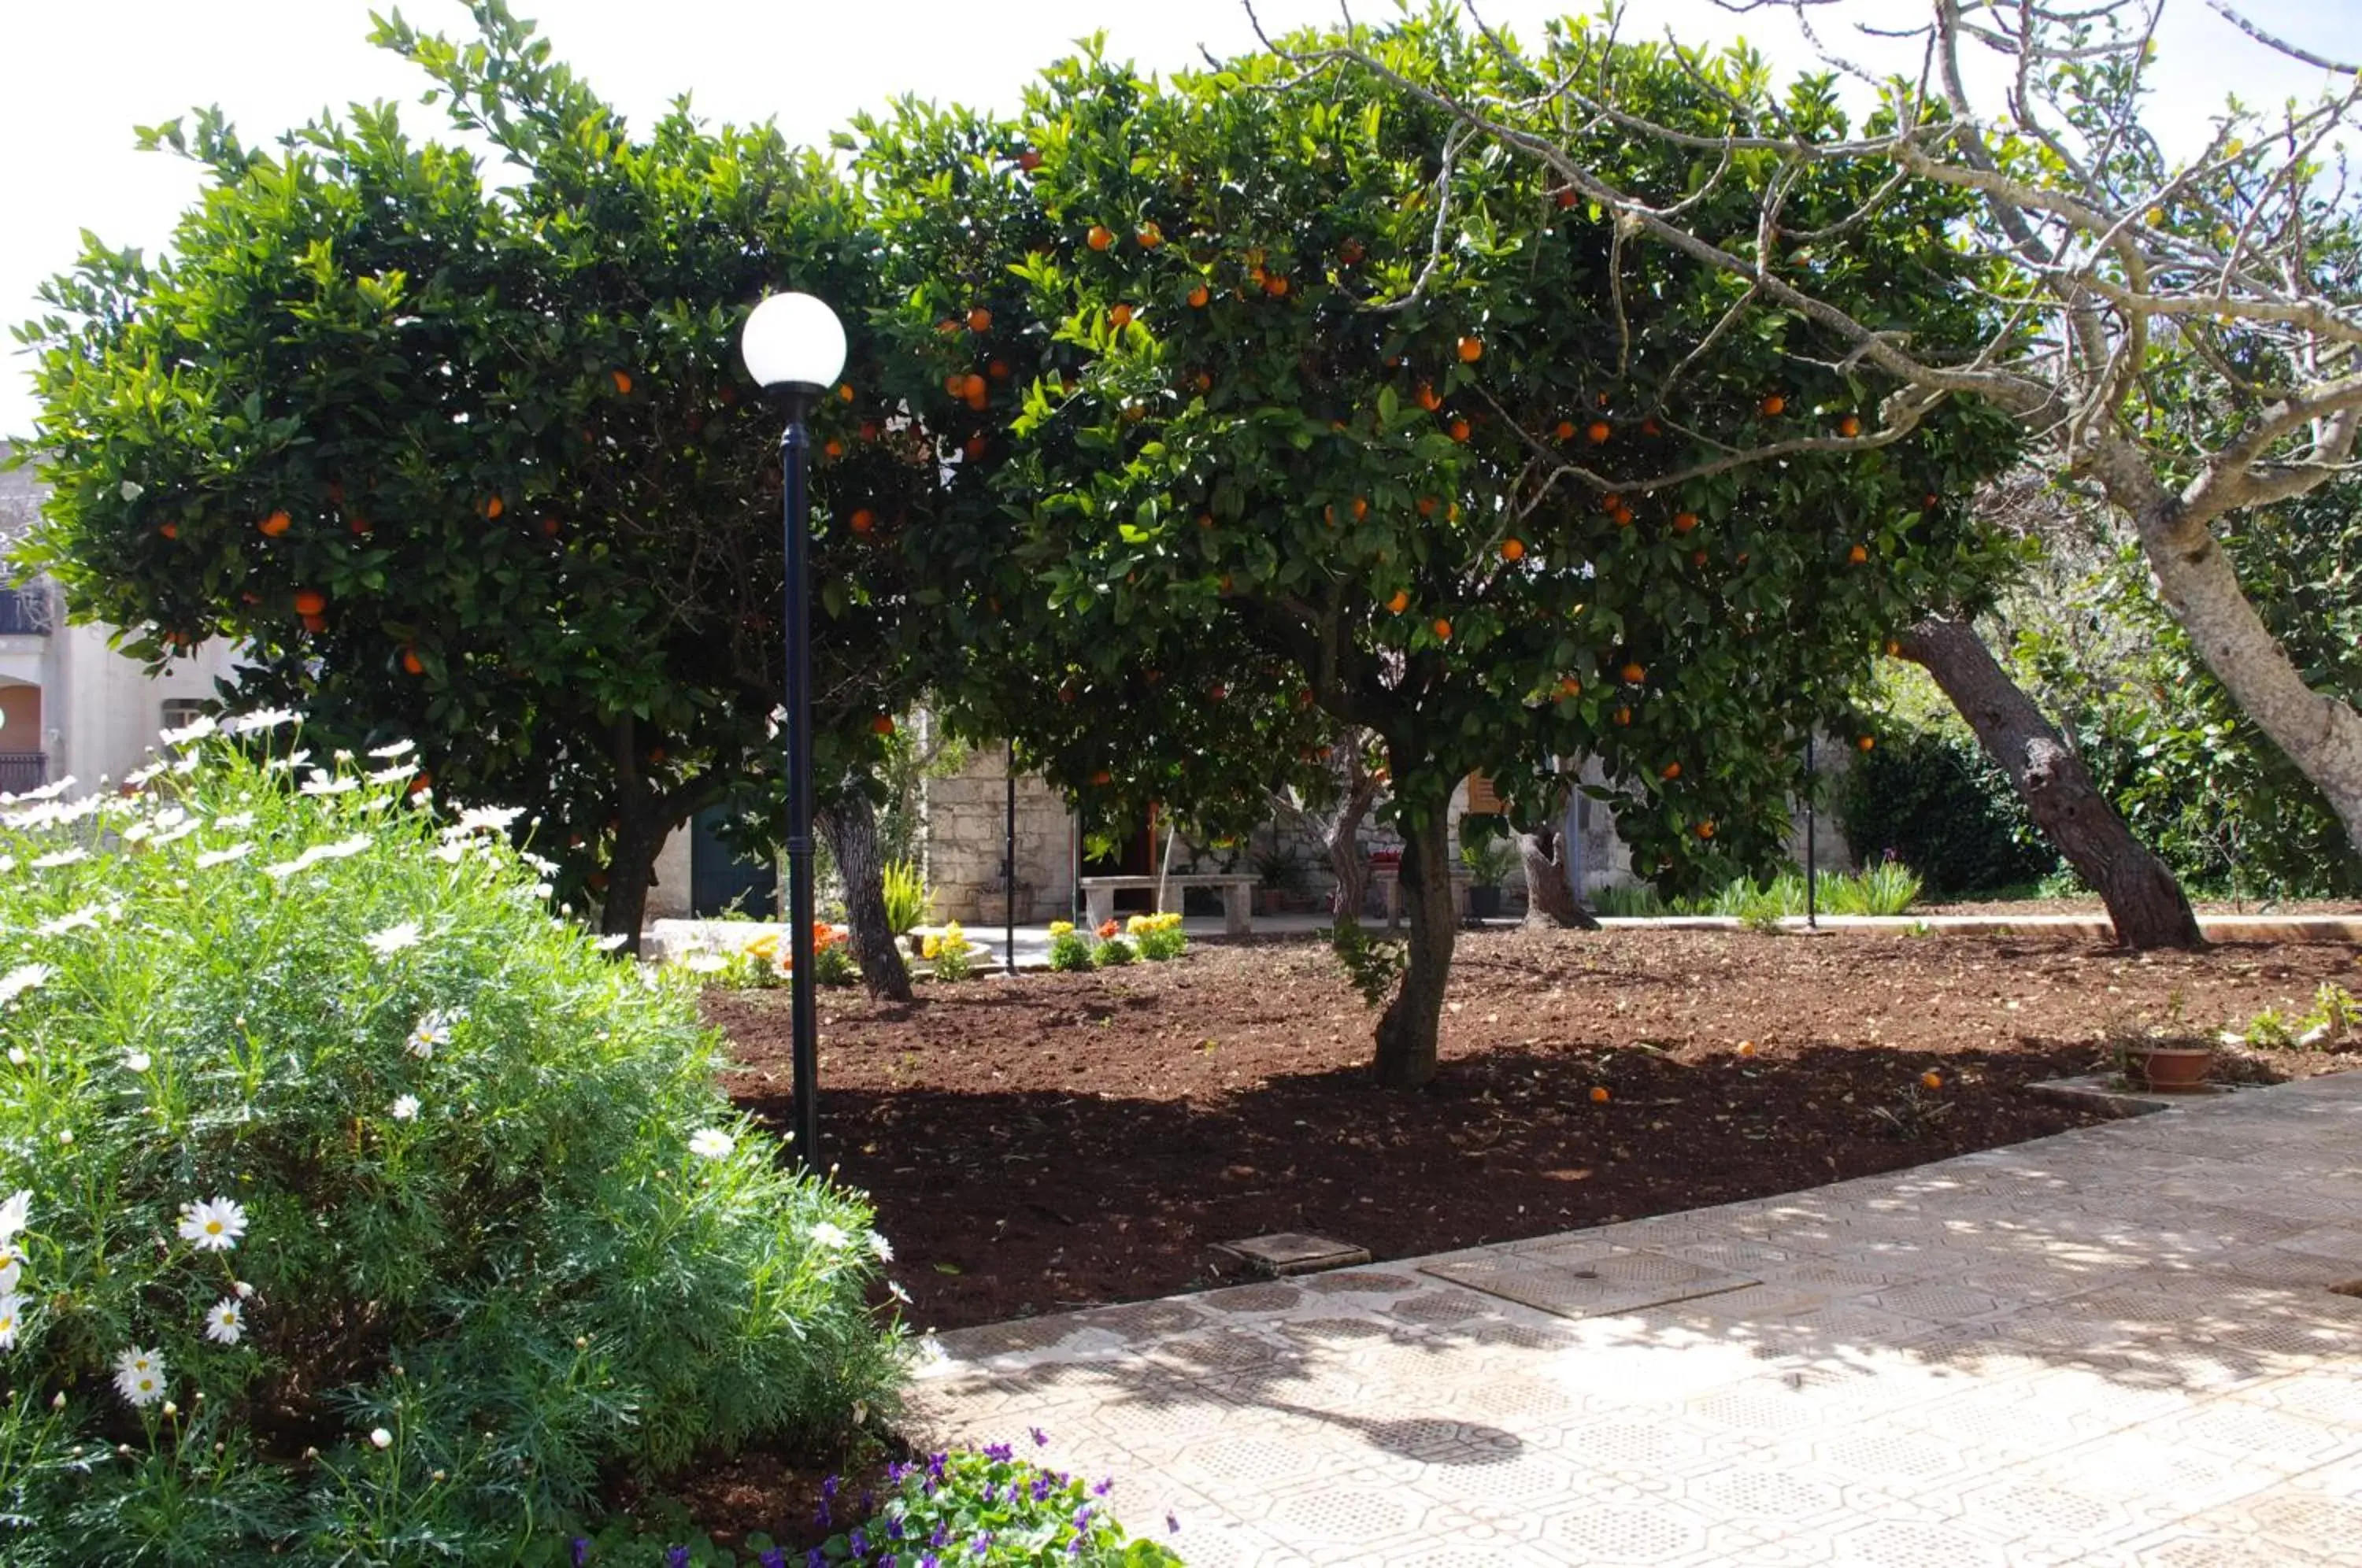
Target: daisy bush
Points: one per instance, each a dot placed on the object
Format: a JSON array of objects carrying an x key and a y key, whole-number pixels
[{"x": 355, "y": 1210}]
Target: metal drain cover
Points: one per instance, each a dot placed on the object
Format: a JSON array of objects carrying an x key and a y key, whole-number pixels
[{"x": 1592, "y": 1286}]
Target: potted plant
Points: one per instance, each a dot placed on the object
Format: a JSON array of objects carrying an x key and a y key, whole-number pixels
[
  {"x": 1281, "y": 871},
  {"x": 2165, "y": 1057},
  {"x": 1487, "y": 860}
]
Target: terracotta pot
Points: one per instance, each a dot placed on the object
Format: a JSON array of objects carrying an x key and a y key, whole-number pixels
[{"x": 2173, "y": 1068}]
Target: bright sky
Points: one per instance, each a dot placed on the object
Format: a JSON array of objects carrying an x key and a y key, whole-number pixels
[{"x": 85, "y": 72}]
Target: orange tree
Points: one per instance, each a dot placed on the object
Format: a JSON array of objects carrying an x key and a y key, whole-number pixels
[
  {"x": 480, "y": 466},
  {"x": 1306, "y": 394}
]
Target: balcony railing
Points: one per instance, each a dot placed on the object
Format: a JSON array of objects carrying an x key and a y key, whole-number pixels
[
  {"x": 23, "y": 770},
  {"x": 23, "y": 612}
]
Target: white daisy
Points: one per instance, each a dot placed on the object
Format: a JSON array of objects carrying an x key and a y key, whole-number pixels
[
  {"x": 137, "y": 1061},
  {"x": 138, "y": 776},
  {"x": 394, "y": 939},
  {"x": 235, "y": 822},
  {"x": 61, "y": 857},
  {"x": 492, "y": 819},
  {"x": 12, "y": 1318},
  {"x": 406, "y": 1108},
  {"x": 711, "y": 1144},
  {"x": 23, "y": 978},
  {"x": 398, "y": 749},
  {"x": 328, "y": 784},
  {"x": 81, "y": 918},
  {"x": 139, "y": 1376},
  {"x": 393, "y": 774},
  {"x": 16, "y": 1057},
  {"x": 832, "y": 1236},
  {"x": 428, "y": 1033},
  {"x": 705, "y": 963},
  {"x": 16, "y": 1213},
  {"x": 196, "y": 729},
  {"x": 226, "y": 1321},
  {"x": 881, "y": 1248},
  {"x": 609, "y": 943},
  {"x": 12, "y": 1274},
  {"x": 213, "y": 857},
  {"x": 261, "y": 718},
  {"x": 212, "y": 1226},
  {"x": 380, "y": 1438}
]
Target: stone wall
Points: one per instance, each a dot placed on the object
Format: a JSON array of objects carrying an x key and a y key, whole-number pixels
[{"x": 966, "y": 815}]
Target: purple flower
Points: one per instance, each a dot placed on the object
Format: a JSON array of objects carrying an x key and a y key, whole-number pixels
[
  {"x": 1172, "y": 1525},
  {"x": 581, "y": 1550},
  {"x": 1000, "y": 1451},
  {"x": 982, "y": 1544},
  {"x": 676, "y": 1557},
  {"x": 815, "y": 1558},
  {"x": 991, "y": 1494},
  {"x": 1041, "y": 1488},
  {"x": 895, "y": 1472},
  {"x": 859, "y": 1541},
  {"x": 773, "y": 1557},
  {"x": 1104, "y": 1487},
  {"x": 820, "y": 1515},
  {"x": 894, "y": 1529},
  {"x": 868, "y": 1501},
  {"x": 943, "y": 1533},
  {"x": 1074, "y": 1547},
  {"x": 929, "y": 1561},
  {"x": 1040, "y": 1438},
  {"x": 1083, "y": 1517}
]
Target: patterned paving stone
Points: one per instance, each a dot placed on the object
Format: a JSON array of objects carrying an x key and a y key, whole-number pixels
[{"x": 2112, "y": 1347}]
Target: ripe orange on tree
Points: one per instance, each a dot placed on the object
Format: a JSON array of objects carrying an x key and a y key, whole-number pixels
[
  {"x": 1442, "y": 630},
  {"x": 1200, "y": 295},
  {"x": 976, "y": 447},
  {"x": 1565, "y": 200},
  {"x": 1599, "y": 432},
  {"x": 843, "y": 392},
  {"x": 1684, "y": 521},
  {"x": 1848, "y": 427},
  {"x": 1400, "y": 601},
  {"x": 882, "y": 724},
  {"x": 1774, "y": 406},
  {"x": 1149, "y": 237},
  {"x": 1351, "y": 253},
  {"x": 491, "y": 507},
  {"x": 1671, "y": 770},
  {"x": 979, "y": 320},
  {"x": 411, "y": 663},
  {"x": 998, "y": 371},
  {"x": 1361, "y": 507},
  {"x": 1705, "y": 830},
  {"x": 275, "y": 525},
  {"x": 1513, "y": 551},
  {"x": 362, "y": 527},
  {"x": 310, "y": 601},
  {"x": 1866, "y": 743},
  {"x": 1633, "y": 674},
  {"x": 1623, "y": 715},
  {"x": 1894, "y": 648},
  {"x": 1459, "y": 430},
  {"x": 1568, "y": 686},
  {"x": 1275, "y": 284},
  {"x": 1565, "y": 431},
  {"x": 863, "y": 520},
  {"x": 170, "y": 530},
  {"x": 1100, "y": 237},
  {"x": 623, "y": 380},
  {"x": 1858, "y": 554},
  {"x": 1029, "y": 160},
  {"x": 547, "y": 527},
  {"x": 315, "y": 623},
  {"x": 1697, "y": 558},
  {"x": 1470, "y": 350},
  {"x": 833, "y": 449},
  {"x": 973, "y": 387},
  {"x": 1428, "y": 399},
  {"x": 1119, "y": 317},
  {"x": 1102, "y": 777},
  {"x": 1427, "y": 506}
]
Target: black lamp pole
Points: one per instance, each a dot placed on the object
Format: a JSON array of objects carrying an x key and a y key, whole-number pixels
[{"x": 795, "y": 451}]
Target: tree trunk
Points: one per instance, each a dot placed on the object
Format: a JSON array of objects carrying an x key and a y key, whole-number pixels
[
  {"x": 2322, "y": 735},
  {"x": 631, "y": 872},
  {"x": 1549, "y": 895},
  {"x": 2143, "y": 899},
  {"x": 851, "y": 828},
  {"x": 1408, "y": 1029},
  {"x": 1343, "y": 842}
]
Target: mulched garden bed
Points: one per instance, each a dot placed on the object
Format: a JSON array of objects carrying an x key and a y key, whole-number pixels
[{"x": 1057, "y": 1141}]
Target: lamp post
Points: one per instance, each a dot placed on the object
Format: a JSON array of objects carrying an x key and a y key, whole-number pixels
[{"x": 795, "y": 346}]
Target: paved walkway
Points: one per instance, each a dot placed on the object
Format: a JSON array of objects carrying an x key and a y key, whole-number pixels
[{"x": 2115, "y": 1346}]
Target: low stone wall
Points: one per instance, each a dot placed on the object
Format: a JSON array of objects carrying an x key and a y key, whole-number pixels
[{"x": 966, "y": 814}]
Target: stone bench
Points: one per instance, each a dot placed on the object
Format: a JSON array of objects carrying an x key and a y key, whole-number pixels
[
  {"x": 1237, "y": 888},
  {"x": 1389, "y": 882}
]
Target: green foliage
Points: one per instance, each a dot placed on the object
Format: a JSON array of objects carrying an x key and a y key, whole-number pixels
[
  {"x": 1886, "y": 888},
  {"x": 1932, "y": 800},
  {"x": 1113, "y": 951},
  {"x": 991, "y": 1509},
  {"x": 910, "y": 902},
  {"x": 485, "y": 1232},
  {"x": 1070, "y": 950},
  {"x": 1915, "y": 1112},
  {"x": 1373, "y": 966},
  {"x": 481, "y": 466},
  {"x": 1488, "y": 859},
  {"x": 2327, "y": 1025}
]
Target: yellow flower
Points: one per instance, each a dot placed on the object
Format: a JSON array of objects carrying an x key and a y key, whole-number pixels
[
  {"x": 928, "y": 947},
  {"x": 1062, "y": 928},
  {"x": 764, "y": 946},
  {"x": 1139, "y": 923}
]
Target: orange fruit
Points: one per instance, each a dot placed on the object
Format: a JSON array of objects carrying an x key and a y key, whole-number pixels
[
  {"x": 1100, "y": 237},
  {"x": 976, "y": 447},
  {"x": 1565, "y": 431},
  {"x": 278, "y": 522},
  {"x": 1203, "y": 381},
  {"x": 882, "y": 724},
  {"x": 1513, "y": 549},
  {"x": 411, "y": 663},
  {"x": 1930, "y": 500},
  {"x": 1565, "y": 200},
  {"x": 495, "y": 506},
  {"x": 1599, "y": 1095},
  {"x": 170, "y": 530},
  {"x": 1697, "y": 558},
  {"x": 955, "y": 383},
  {"x": 1459, "y": 430},
  {"x": 998, "y": 371},
  {"x": 1427, "y": 398},
  {"x": 1623, "y": 517},
  {"x": 1684, "y": 521},
  {"x": 1568, "y": 686},
  {"x": 1649, "y": 428},
  {"x": 973, "y": 386},
  {"x": 979, "y": 320},
  {"x": 1204, "y": 520},
  {"x": 1361, "y": 507},
  {"x": 1848, "y": 427},
  {"x": 1633, "y": 674},
  {"x": 315, "y": 623},
  {"x": 623, "y": 380},
  {"x": 1598, "y": 432},
  {"x": 1705, "y": 830},
  {"x": 1774, "y": 406},
  {"x": 833, "y": 449},
  {"x": 310, "y": 601},
  {"x": 1442, "y": 630},
  {"x": 844, "y": 392},
  {"x": 1199, "y": 296},
  {"x": 1747, "y": 1047},
  {"x": 1275, "y": 285},
  {"x": 1931, "y": 1080},
  {"x": 1470, "y": 350},
  {"x": 1102, "y": 777},
  {"x": 1670, "y": 771},
  {"x": 1858, "y": 554},
  {"x": 1427, "y": 506},
  {"x": 1351, "y": 253},
  {"x": 1866, "y": 743},
  {"x": 1451, "y": 513},
  {"x": 1119, "y": 317},
  {"x": 1149, "y": 237},
  {"x": 1894, "y": 648},
  {"x": 1029, "y": 160},
  {"x": 863, "y": 520},
  {"x": 949, "y": 324},
  {"x": 1400, "y": 601}
]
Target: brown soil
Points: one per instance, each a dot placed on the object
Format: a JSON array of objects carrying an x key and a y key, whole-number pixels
[
  {"x": 2091, "y": 906},
  {"x": 1061, "y": 1140}
]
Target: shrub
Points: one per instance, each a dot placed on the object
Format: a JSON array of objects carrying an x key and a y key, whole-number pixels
[
  {"x": 910, "y": 902},
  {"x": 1945, "y": 812},
  {"x": 372, "y": 1210},
  {"x": 1113, "y": 951},
  {"x": 992, "y": 1509},
  {"x": 1375, "y": 966},
  {"x": 1160, "y": 936},
  {"x": 1069, "y": 949},
  {"x": 766, "y": 960}
]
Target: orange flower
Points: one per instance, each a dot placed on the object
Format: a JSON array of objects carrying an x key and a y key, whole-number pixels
[{"x": 1107, "y": 930}]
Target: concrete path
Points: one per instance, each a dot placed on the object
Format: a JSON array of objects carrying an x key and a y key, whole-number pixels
[{"x": 2117, "y": 1347}]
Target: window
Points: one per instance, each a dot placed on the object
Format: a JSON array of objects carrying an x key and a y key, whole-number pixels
[{"x": 180, "y": 712}]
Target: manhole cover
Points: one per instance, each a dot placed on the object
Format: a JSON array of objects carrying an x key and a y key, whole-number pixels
[
  {"x": 1624, "y": 1281},
  {"x": 1289, "y": 1252}
]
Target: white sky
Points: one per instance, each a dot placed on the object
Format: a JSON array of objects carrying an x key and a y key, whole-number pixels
[{"x": 83, "y": 72}]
